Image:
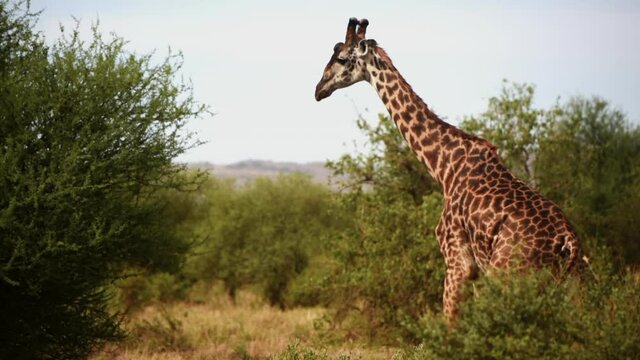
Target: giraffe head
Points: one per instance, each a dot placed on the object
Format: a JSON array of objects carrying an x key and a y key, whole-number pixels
[{"x": 347, "y": 65}]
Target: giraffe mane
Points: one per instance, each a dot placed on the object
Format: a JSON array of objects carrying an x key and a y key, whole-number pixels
[{"x": 432, "y": 115}]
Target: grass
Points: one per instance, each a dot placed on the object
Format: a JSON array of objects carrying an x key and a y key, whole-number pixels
[
  {"x": 211, "y": 326},
  {"x": 533, "y": 316}
]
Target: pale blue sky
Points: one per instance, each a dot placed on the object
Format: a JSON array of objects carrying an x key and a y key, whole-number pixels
[{"x": 256, "y": 63}]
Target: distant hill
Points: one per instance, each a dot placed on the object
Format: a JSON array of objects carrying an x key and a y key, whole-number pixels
[{"x": 251, "y": 169}]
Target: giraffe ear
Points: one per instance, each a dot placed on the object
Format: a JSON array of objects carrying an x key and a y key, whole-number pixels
[{"x": 363, "y": 48}]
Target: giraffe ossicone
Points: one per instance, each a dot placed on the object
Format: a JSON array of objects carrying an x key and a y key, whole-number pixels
[{"x": 490, "y": 219}]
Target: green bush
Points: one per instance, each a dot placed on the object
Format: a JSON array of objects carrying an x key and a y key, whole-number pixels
[
  {"x": 263, "y": 233},
  {"x": 310, "y": 287},
  {"x": 88, "y": 133},
  {"x": 181, "y": 213},
  {"x": 536, "y": 316},
  {"x": 388, "y": 261}
]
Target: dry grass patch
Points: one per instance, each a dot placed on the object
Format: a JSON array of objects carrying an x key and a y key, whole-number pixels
[{"x": 213, "y": 327}]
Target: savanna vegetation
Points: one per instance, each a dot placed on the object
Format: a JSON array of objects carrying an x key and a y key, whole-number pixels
[
  {"x": 88, "y": 133},
  {"x": 108, "y": 249}
]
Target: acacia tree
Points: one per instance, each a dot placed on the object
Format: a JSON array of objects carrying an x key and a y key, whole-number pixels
[
  {"x": 88, "y": 133},
  {"x": 589, "y": 161},
  {"x": 515, "y": 125}
]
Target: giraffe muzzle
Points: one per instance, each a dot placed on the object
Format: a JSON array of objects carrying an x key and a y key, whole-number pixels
[{"x": 321, "y": 92}]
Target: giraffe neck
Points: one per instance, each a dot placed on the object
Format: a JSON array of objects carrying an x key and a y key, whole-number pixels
[{"x": 432, "y": 139}]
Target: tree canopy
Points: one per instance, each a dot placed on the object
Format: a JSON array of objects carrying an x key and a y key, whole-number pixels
[{"x": 88, "y": 135}]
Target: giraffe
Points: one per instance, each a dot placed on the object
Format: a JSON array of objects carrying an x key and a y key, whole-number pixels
[{"x": 490, "y": 219}]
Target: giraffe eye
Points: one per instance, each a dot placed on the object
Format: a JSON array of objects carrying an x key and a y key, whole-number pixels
[{"x": 341, "y": 61}]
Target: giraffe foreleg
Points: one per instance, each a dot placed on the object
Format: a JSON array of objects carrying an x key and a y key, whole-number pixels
[
  {"x": 461, "y": 265},
  {"x": 455, "y": 280}
]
